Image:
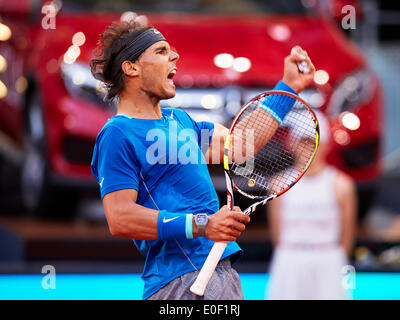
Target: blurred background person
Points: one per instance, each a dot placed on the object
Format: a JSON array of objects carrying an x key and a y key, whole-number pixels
[{"x": 313, "y": 228}]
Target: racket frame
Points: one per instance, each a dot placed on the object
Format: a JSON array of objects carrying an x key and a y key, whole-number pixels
[
  {"x": 228, "y": 139},
  {"x": 218, "y": 248}
]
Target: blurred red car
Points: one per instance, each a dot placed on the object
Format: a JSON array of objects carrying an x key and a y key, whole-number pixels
[{"x": 51, "y": 108}]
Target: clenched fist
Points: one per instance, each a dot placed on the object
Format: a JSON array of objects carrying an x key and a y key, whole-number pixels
[
  {"x": 297, "y": 80},
  {"x": 226, "y": 225}
]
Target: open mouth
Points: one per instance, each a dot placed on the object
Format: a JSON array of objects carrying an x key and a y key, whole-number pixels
[{"x": 171, "y": 76}]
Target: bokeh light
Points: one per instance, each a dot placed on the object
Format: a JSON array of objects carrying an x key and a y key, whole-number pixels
[
  {"x": 350, "y": 121},
  {"x": 5, "y": 32},
  {"x": 72, "y": 54},
  {"x": 3, "y": 90},
  {"x": 21, "y": 84},
  {"x": 223, "y": 60},
  {"x": 341, "y": 137},
  {"x": 142, "y": 20},
  {"x": 321, "y": 77},
  {"x": 279, "y": 32},
  {"x": 128, "y": 16},
  {"x": 3, "y": 64},
  {"x": 241, "y": 64},
  {"x": 317, "y": 100},
  {"x": 78, "y": 39},
  {"x": 78, "y": 78},
  {"x": 211, "y": 101}
]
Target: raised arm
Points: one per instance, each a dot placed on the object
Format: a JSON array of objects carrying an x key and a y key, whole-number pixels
[
  {"x": 292, "y": 78},
  {"x": 215, "y": 152}
]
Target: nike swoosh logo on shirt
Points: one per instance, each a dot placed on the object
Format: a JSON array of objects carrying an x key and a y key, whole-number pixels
[{"x": 168, "y": 220}]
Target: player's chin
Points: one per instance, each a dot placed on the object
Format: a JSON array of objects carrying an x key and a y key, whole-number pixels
[{"x": 169, "y": 91}]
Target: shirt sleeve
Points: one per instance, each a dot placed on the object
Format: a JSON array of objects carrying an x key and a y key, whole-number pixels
[
  {"x": 204, "y": 130},
  {"x": 114, "y": 164}
]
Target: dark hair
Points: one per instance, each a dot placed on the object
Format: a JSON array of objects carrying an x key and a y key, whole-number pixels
[{"x": 105, "y": 66}]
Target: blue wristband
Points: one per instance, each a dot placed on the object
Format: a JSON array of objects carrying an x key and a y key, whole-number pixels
[
  {"x": 189, "y": 226},
  {"x": 172, "y": 225},
  {"x": 279, "y": 105}
]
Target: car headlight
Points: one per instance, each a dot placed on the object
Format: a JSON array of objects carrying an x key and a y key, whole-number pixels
[
  {"x": 351, "y": 92},
  {"x": 80, "y": 83}
]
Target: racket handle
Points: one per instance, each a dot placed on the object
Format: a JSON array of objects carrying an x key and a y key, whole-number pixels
[
  {"x": 303, "y": 67},
  {"x": 199, "y": 286}
]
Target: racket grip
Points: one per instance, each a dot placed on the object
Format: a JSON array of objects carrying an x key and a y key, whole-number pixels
[
  {"x": 199, "y": 286},
  {"x": 303, "y": 67}
]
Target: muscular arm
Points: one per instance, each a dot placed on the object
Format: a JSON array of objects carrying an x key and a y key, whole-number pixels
[
  {"x": 241, "y": 149},
  {"x": 128, "y": 219},
  {"x": 215, "y": 152},
  {"x": 294, "y": 79},
  {"x": 347, "y": 200}
]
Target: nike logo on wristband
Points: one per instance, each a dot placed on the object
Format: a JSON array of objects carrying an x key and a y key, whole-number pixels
[{"x": 170, "y": 219}]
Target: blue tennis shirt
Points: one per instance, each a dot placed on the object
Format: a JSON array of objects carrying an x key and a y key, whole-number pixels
[{"x": 163, "y": 160}]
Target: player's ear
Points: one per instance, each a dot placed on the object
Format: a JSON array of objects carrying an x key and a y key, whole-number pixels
[{"x": 130, "y": 68}]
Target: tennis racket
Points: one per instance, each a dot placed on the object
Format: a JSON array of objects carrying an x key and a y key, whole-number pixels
[{"x": 264, "y": 158}]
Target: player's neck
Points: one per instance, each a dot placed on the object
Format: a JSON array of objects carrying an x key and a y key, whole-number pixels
[{"x": 139, "y": 105}]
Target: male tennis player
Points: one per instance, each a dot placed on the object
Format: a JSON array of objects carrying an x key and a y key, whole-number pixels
[{"x": 153, "y": 195}]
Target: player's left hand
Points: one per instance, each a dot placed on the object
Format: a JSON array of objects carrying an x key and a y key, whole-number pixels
[{"x": 297, "y": 80}]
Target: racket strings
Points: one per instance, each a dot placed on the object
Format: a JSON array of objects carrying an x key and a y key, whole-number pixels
[{"x": 266, "y": 158}]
